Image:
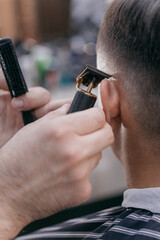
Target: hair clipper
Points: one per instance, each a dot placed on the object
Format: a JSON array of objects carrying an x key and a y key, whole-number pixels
[{"x": 85, "y": 99}]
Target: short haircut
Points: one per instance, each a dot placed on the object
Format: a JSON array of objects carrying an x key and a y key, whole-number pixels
[{"x": 130, "y": 35}]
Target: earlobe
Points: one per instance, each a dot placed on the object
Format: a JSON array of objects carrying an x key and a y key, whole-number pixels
[{"x": 110, "y": 100}]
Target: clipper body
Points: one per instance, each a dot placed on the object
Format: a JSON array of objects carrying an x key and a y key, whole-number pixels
[{"x": 82, "y": 102}]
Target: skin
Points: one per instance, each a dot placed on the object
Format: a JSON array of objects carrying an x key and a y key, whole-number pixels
[
  {"x": 137, "y": 154},
  {"x": 37, "y": 99},
  {"x": 46, "y": 166}
]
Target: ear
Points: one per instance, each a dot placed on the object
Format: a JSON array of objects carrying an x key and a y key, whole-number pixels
[{"x": 110, "y": 99}]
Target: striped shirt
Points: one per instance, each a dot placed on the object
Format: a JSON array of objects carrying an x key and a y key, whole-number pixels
[{"x": 137, "y": 219}]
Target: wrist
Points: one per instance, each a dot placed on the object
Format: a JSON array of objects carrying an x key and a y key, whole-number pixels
[
  {"x": 10, "y": 223},
  {"x": 12, "y": 218}
]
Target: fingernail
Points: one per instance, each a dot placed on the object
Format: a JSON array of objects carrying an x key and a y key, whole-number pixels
[{"x": 17, "y": 103}]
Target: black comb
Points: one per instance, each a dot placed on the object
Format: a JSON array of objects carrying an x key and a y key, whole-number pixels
[{"x": 13, "y": 74}]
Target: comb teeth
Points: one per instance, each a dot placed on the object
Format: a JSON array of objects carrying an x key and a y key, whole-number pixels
[{"x": 11, "y": 68}]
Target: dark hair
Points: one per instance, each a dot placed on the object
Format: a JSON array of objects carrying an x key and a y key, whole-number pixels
[{"x": 130, "y": 34}]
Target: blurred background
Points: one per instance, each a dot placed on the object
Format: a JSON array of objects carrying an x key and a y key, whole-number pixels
[{"x": 54, "y": 40}]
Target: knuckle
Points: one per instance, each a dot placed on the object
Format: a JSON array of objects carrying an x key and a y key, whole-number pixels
[
  {"x": 57, "y": 133},
  {"x": 71, "y": 155},
  {"x": 35, "y": 93},
  {"x": 110, "y": 135},
  {"x": 80, "y": 154},
  {"x": 60, "y": 132},
  {"x": 74, "y": 154},
  {"x": 41, "y": 89},
  {"x": 80, "y": 175},
  {"x": 44, "y": 92},
  {"x": 77, "y": 173},
  {"x": 86, "y": 192},
  {"x": 112, "y": 139},
  {"x": 82, "y": 192},
  {"x": 99, "y": 156},
  {"x": 99, "y": 116}
]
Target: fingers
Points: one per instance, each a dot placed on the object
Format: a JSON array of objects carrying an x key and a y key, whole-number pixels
[
  {"x": 59, "y": 112},
  {"x": 93, "y": 162},
  {"x": 51, "y": 106},
  {"x": 35, "y": 98},
  {"x": 3, "y": 83},
  {"x": 100, "y": 139},
  {"x": 85, "y": 122},
  {"x": 89, "y": 165}
]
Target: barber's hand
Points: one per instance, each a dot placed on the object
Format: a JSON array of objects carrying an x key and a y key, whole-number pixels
[
  {"x": 46, "y": 166},
  {"x": 37, "y": 99}
]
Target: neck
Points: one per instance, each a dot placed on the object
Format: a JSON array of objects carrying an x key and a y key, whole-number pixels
[{"x": 141, "y": 162}]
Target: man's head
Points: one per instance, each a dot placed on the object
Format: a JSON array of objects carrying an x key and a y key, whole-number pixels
[{"x": 129, "y": 48}]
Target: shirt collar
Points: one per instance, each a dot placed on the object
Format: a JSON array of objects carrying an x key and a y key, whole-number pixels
[{"x": 147, "y": 198}]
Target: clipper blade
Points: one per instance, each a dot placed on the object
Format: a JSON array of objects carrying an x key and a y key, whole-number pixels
[{"x": 92, "y": 74}]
